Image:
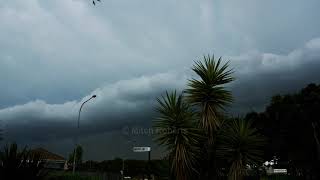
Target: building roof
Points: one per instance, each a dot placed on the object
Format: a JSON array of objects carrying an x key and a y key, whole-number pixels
[{"x": 45, "y": 154}]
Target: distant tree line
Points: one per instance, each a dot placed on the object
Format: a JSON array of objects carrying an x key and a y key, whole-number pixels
[
  {"x": 133, "y": 168},
  {"x": 291, "y": 125}
]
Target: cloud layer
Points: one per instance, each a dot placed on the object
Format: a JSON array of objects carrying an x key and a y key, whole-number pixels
[{"x": 131, "y": 102}]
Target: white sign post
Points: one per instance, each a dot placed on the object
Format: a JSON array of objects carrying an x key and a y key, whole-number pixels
[
  {"x": 280, "y": 171},
  {"x": 141, "y": 149}
]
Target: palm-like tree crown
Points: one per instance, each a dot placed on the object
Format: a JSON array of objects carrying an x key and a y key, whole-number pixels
[
  {"x": 241, "y": 145},
  {"x": 208, "y": 92},
  {"x": 176, "y": 131}
]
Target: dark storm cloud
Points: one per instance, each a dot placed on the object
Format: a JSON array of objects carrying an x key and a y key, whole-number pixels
[
  {"x": 127, "y": 102},
  {"x": 262, "y": 75},
  {"x": 131, "y": 102}
]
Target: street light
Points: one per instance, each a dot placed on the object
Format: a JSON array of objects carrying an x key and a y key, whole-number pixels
[{"x": 75, "y": 150}]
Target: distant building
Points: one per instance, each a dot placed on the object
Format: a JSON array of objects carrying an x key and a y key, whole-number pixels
[{"x": 51, "y": 160}]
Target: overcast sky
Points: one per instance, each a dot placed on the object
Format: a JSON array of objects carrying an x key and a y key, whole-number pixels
[{"x": 56, "y": 54}]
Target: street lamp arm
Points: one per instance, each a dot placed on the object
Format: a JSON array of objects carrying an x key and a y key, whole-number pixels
[
  {"x": 82, "y": 106},
  {"x": 75, "y": 150}
]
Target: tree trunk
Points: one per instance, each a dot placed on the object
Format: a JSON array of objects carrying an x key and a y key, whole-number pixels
[{"x": 315, "y": 135}]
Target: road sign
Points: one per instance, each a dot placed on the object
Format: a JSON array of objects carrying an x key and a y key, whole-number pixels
[
  {"x": 282, "y": 171},
  {"x": 141, "y": 149}
]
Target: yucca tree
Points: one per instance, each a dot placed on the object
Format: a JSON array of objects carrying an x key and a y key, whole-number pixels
[
  {"x": 11, "y": 157},
  {"x": 208, "y": 92},
  {"x": 178, "y": 133},
  {"x": 241, "y": 145}
]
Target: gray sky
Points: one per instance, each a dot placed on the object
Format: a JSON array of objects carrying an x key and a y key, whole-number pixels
[{"x": 55, "y": 54}]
